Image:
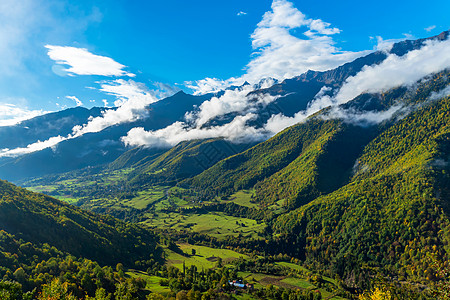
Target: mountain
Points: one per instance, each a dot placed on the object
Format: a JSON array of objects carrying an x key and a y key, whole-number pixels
[
  {"x": 182, "y": 161},
  {"x": 298, "y": 91},
  {"x": 357, "y": 197},
  {"x": 359, "y": 192},
  {"x": 93, "y": 148},
  {"x": 103, "y": 147},
  {"x": 394, "y": 212},
  {"x": 46, "y": 126},
  {"x": 40, "y": 219}
]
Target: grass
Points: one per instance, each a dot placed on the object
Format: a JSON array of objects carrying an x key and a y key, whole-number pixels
[
  {"x": 152, "y": 282},
  {"x": 146, "y": 198},
  {"x": 244, "y": 198},
  {"x": 301, "y": 283},
  {"x": 216, "y": 224},
  {"x": 205, "y": 257},
  {"x": 292, "y": 266},
  {"x": 67, "y": 199}
]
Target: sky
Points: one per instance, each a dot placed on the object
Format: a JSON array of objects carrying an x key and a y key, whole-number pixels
[{"x": 61, "y": 54}]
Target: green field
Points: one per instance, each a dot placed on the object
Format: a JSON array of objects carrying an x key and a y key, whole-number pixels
[
  {"x": 152, "y": 282},
  {"x": 243, "y": 197},
  {"x": 216, "y": 224},
  {"x": 205, "y": 257},
  {"x": 146, "y": 198}
]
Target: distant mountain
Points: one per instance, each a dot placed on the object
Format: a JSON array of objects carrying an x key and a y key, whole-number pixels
[
  {"x": 90, "y": 149},
  {"x": 105, "y": 146},
  {"x": 45, "y": 126},
  {"x": 310, "y": 158}
]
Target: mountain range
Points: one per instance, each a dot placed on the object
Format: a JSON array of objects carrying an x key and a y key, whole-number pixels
[
  {"x": 356, "y": 190},
  {"x": 292, "y": 95}
]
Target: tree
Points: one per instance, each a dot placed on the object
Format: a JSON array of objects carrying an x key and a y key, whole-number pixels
[
  {"x": 56, "y": 290},
  {"x": 376, "y": 294}
]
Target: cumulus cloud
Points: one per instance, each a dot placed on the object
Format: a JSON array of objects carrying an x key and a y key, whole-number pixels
[
  {"x": 239, "y": 101},
  {"x": 132, "y": 98},
  {"x": 235, "y": 100},
  {"x": 82, "y": 62},
  {"x": 77, "y": 101},
  {"x": 280, "y": 53},
  {"x": 394, "y": 71},
  {"x": 241, "y": 13},
  {"x": 11, "y": 114},
  {"x": 237, "y": 130}
]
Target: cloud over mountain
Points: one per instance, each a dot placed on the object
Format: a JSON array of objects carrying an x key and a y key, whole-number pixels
[
  {"x": 11, "y": 114},
  {"x": 394, "y": 71},
  {"x": 286, "y": 43}
]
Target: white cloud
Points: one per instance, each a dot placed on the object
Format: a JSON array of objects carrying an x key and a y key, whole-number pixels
[
  {"x": 430, "y": 28},
  {"x": 38, "y": 146},
  {"x": 11, "y": 114},
  {"x": 286, "y": 44},
  {"x": 236, "y": 100},
  {"x": 77, "y": 101},
  {"x": 132, "y": 96},
  {"x": 236, "y": 131},
  {"x": 386, "y": 45},
  {"x": 440, "y": 94},
  {"x": 366, "y": 118},
  {"x": 394, "y": 71},
  {"x": 211, "y": 85},
  {"x": 82, "y": 62},
  {"x": 232, "y": 101},
  {"x": 241, "y": 13},
  {"x": 105, "y": 103}
]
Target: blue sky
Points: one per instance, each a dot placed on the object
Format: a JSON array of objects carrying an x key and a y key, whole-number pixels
[{"x": 153, "y": 48}]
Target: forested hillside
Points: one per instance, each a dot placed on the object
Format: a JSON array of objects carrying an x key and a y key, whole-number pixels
[
  {"x": 394, "y": 213},
  {"x": 40, "y": 219}
]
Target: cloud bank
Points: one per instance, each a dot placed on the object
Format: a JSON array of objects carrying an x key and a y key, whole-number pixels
[
  {"x": 82, "y": 62},
  {"x": 236, "y": 130},
  {"x": 394, "y": 71},
  {"x": 38, "y": 146},
  {"x": 133, "y": 98}
]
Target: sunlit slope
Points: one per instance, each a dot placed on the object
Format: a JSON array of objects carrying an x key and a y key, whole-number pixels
[{"x": 394, "y": 213}]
